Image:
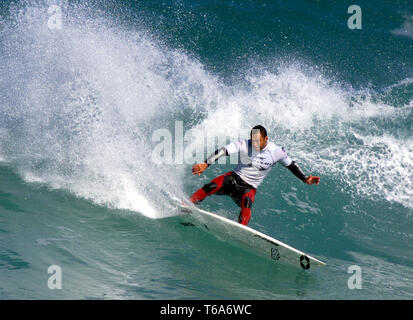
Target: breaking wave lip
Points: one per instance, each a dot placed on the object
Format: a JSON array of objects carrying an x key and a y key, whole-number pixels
[{"x": 91, "y": 95}]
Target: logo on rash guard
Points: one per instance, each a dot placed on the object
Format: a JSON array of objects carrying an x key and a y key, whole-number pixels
[{"x": 259, "y": 163}]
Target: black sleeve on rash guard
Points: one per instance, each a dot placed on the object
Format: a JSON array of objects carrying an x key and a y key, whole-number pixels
[
  {"x": 216, "y": 155},
  {"x": 294, "y": 168}
]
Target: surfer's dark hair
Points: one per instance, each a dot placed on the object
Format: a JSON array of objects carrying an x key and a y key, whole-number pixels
[{"x": 263, "y": 132}]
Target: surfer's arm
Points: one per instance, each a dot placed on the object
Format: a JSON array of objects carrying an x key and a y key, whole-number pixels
[
  {"x": 290, "y": 164},
  {"x": 216, "y": 155},
  {"x": 201, "y": 167},
  {"x": 295, "y": 169}
]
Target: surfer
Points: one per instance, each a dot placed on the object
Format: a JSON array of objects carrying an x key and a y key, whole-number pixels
[{"x": 256, "y": 157}]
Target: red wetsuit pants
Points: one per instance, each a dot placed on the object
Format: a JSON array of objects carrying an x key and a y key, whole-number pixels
[{"x": 230, "y": 184}]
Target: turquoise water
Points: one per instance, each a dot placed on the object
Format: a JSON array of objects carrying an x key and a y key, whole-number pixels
[{"x": 80, "y": 104}]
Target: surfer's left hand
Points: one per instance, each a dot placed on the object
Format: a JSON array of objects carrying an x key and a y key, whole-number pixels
[{"x": 312, "y": 180}]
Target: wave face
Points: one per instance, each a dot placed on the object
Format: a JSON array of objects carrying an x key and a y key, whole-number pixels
[{"x": 81, "y": 103}]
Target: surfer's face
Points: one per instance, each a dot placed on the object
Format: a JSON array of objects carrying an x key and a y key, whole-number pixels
[{"x": 258, "y": 141}]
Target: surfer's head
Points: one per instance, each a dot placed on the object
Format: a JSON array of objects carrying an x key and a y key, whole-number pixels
[{"x": 259, "y": 137}]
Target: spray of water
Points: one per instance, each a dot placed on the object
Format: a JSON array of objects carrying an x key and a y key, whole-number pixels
[{"x": 79, "y": 105}]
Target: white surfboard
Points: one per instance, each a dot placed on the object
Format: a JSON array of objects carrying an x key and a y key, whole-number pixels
[{"x": 248, "y": 238}]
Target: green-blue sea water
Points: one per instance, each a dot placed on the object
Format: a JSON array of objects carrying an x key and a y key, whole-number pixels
[{"x": 82, "y": 106}]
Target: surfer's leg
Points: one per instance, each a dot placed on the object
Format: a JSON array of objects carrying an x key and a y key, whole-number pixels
[
  {"x": 209, "y": 188},
  {"x": 246, "y": 204}
]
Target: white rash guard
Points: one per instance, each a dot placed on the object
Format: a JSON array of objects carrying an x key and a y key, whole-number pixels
[{"x": 254, "y": 166}]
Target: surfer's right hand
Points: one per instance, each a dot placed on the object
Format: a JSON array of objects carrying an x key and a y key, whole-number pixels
[{"x": 199, "y": 168}]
